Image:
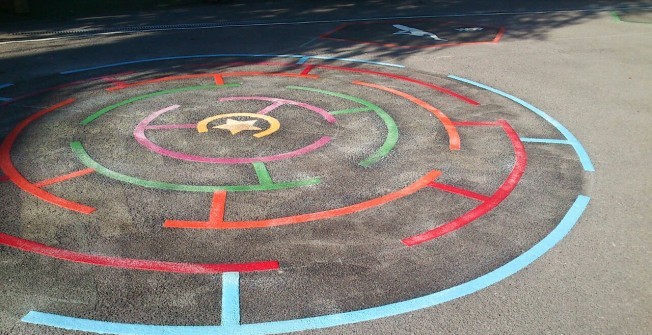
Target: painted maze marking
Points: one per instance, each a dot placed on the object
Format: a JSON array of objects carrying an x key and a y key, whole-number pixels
[
  {"x": 453, "y": 136},
  {"x": 275, "y": 327},
  {"x": 494, "y": 200},
  {"x": 87, "y": 160},
  {"x": 148, "y": 60},
  {"x": 404, "y": 78},
  {"x": 216, "y": 217},
  {"x": 64, "y": 177},
  {"x": 4, "y": 86},
  {"x": 14, "y": 175},
  {"x": 572, "y": 140},
  {"x": 130, "y": 263},
  {"x": 107, "y": 109},
  {"x": 392, "y": 129},
  {"x": 141, "y": 138},
  {"x": 218, "y": 82}
]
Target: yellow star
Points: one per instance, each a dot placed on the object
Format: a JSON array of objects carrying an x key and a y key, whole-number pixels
[{"x": 236, "y": 126}]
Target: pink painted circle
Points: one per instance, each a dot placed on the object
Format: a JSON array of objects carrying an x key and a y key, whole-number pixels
[{"x": 139, "y": 134}]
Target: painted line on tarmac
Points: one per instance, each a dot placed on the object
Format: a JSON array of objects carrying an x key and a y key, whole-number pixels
[
  {"x": 149, "y": 60},
  {"x": 572, "y": 140},
  {"x": 230, "y": 299},
  {"x": 286, "y": 326}
]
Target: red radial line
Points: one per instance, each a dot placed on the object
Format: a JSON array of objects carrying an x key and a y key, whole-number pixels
[
  {"x": 10, "y": 170},
  {"x": 213, "y": 75},
  {"x": 459, "y": 191},
  {"x": 453, "y": 136},
  {"x": 64, "y": 177},
  {"x": 307, "y": 69},
  {"x": 404, "y": 78},
  {"x": 133, "y": 264},
  {"x": 494, "y": 200}
]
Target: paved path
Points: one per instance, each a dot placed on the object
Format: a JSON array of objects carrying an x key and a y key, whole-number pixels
[{"x": 424, "y": 169}]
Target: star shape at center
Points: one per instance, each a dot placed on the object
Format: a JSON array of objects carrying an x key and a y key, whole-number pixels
[{"x": 236, "y": 126}]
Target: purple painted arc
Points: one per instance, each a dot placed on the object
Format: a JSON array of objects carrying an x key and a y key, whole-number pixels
[{"x": 277, "y": 102}]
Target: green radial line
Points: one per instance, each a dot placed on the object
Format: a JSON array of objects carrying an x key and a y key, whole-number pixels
[
  {"x": 263, "y": 175},
  {"x": 107, "y": 109},
  {"x": 392, "y": 129},
  {"x": 83, "y": 156}
]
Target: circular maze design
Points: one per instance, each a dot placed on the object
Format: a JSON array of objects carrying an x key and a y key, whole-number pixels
[{"x": 320, "y": 193}]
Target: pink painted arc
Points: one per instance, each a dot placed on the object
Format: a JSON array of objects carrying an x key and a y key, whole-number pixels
[{"x": 139, "y": 135}]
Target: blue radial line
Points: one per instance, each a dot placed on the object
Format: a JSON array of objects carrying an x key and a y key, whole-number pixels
[
  {"x": 544, "y": 140},
  {"x": 5, "y": 85},
  {"x": 230, "y": 298},
  {"x": 148, "y": 60},
  {"x": 579, "y": 149},
  {"x": 275, "y": 327}
]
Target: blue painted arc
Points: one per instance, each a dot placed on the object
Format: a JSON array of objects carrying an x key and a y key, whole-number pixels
[
  {"x": 579, "y": 149},
  {"x": 275, "y": 327},
  {"x": 301, "y": 57}
]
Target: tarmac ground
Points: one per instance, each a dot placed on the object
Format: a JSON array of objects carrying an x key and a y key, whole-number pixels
[{"x": 419, "y": 167}]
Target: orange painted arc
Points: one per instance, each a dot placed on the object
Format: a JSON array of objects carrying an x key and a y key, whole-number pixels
[
  {"x": 12, "y": 173},
  {"x": 453, "y": 135},
  {"x": 216, "y": 219}
]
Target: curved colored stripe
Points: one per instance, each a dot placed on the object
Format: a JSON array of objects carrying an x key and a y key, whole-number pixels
[
  {"x": 107, "y": 109},
  {"x": 149, "y": 60},
  {"x": 83, "y": 156},
  {"x": 219, "y": 223},
  {"x": 403, "y": 78},
  {"x": 12, "y": 173},
  {"x": 453, "y": 136},
  {"x": 573, "y": 141},
  {"x": 139, "y": 135},
  {"x": 132, "y": 264},
  {"x": 392, "y": 129},
  {"x": 274, "y": 125},
  {"x": 501, "y": 194},
  {"x": 212, "y": 76},
  {"x": 278, "y": 102},
  {"x": 286, "y": 326}
]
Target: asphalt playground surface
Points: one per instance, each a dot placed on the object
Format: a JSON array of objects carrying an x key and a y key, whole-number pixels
[{"x": 419, "y": 167}]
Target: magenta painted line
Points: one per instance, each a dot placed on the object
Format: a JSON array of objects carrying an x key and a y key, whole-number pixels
[
  {"x": 171, "y": 126},
  {"x": 271, "y": 107},
  {"x": 278, "y": 102},
  {"x": 139, "y": 135}
]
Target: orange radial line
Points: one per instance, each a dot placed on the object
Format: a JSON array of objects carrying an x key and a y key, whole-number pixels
[
  {"x": 64, "y": 177},
  {"x": 213, "y": 75},
  {"x": 220, "y": 224},
  {"x": 453, "y": 136}
]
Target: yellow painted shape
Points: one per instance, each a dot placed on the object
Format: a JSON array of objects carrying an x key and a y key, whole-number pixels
[{"x": 274, "y": 125}]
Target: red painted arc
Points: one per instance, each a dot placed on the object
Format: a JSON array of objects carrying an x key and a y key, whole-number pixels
[
  {"x": 134, "y": 264},
  {"x": 404, "y": 78},
  {"x": 12, "y": 173},
  {"x": 217, "y": 77},
  {"x": 494, "y": 200}
]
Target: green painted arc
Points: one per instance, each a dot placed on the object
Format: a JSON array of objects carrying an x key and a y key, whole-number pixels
[
  {"x": 86, "y": 159},
  {"x": 392, "y": 129},
  {"x": 107, "y": 109},
  {"x": 350, "y": 111}
]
